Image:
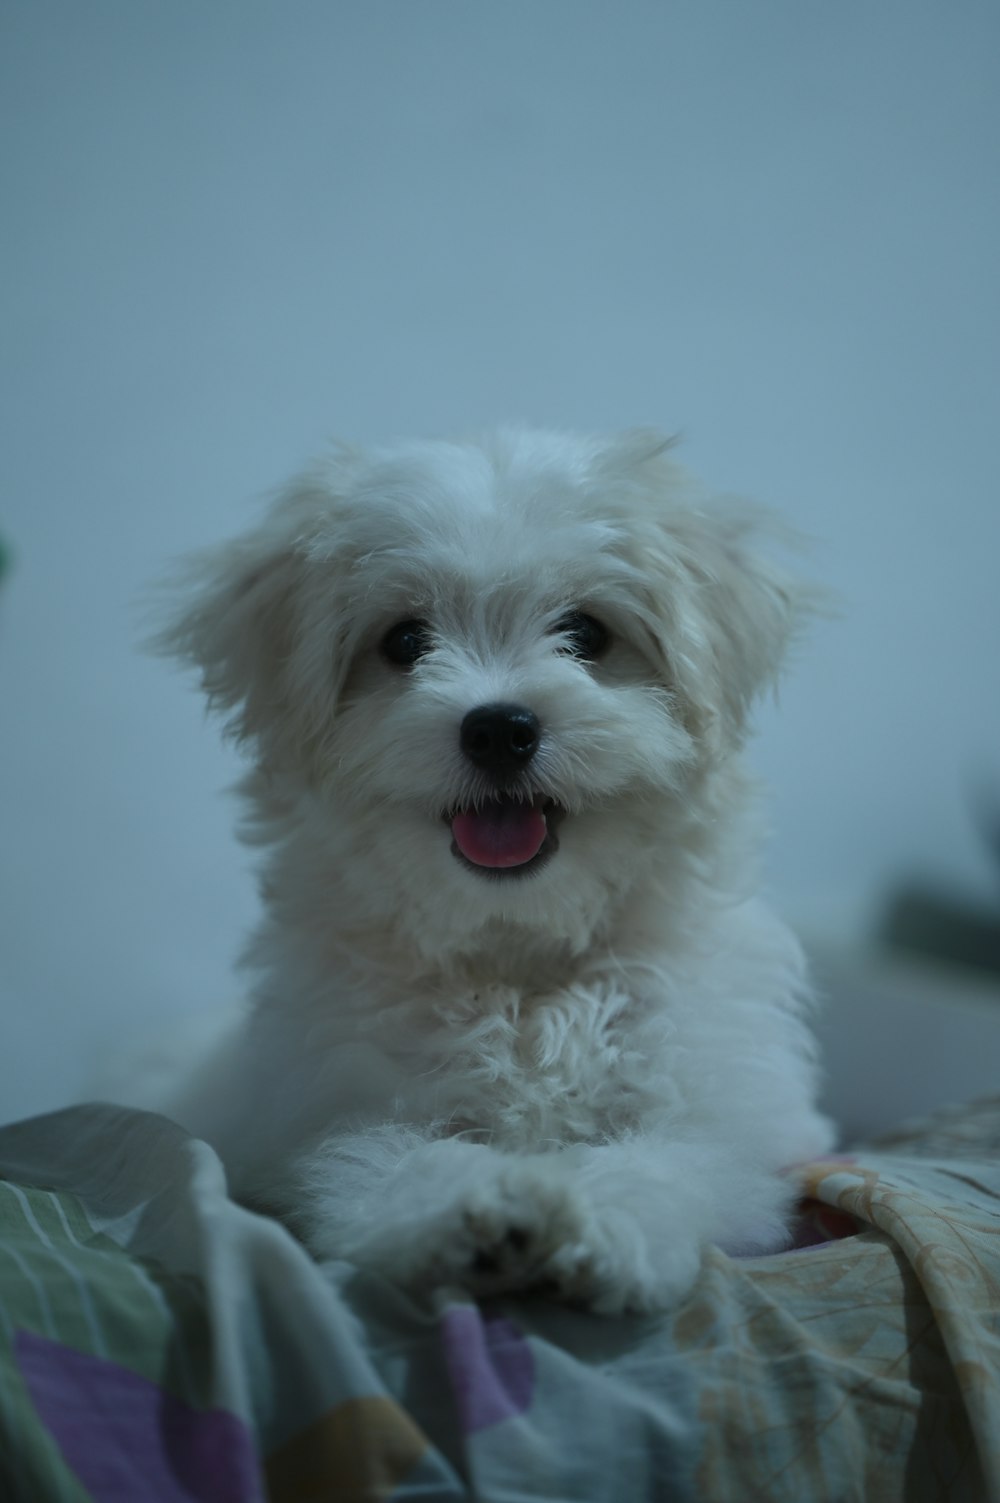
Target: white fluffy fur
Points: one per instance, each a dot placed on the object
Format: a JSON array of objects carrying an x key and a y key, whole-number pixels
[{"x": 576, "y": 1078}]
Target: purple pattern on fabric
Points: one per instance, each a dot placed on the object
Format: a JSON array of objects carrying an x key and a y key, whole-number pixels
[
  {"x": 491, "y": 1366},
  {"x": 125, "y": 1438}
]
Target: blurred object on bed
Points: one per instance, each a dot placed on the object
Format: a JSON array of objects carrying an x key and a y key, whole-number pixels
[
  {"x": 934, "y": 923},
  {"x": 902, "y": 1035},
  {"x": 929, "y": 919}
]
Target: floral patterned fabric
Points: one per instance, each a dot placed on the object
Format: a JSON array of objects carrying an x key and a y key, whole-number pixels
[{"x": 159, "y": 1343}]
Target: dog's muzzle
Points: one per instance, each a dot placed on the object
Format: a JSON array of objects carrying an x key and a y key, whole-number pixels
[{"x": 510, "y": 833}]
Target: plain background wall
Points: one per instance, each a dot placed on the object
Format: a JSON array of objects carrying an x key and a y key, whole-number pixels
[{"x": 233, "y": 230}]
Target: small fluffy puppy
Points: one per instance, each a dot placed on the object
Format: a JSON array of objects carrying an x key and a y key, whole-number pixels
[{"x": 518, "y": 1019}]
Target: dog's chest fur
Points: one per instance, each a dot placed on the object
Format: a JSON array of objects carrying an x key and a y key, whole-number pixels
[{"x": 524, "y": 1067}]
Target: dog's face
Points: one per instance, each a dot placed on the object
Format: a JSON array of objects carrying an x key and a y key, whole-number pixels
[{"x": 500, "y": 666}]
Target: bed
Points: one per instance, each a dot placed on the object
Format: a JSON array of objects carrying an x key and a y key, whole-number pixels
[{"x": 161, "y": 1344}]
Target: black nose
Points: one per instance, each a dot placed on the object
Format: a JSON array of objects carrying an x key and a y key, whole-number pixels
[{"x": 500, "y": 738}]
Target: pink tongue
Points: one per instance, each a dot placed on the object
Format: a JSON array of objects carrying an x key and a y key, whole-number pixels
[{"x": 501, "y": 834}]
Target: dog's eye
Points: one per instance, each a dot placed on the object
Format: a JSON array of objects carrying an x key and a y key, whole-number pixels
[
  {"x": 405, "y": 642},
  {"x": 583, "y": 636}
]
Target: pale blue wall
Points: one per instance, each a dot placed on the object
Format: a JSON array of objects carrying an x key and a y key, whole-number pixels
[{"x": 232, "y": 229}]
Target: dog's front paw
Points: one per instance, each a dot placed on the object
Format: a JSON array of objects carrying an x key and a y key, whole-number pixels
[
  {"x": 461, "y": 1214},
  {"x": 535, "y": 1228},
  {"x": 511, "y": 1230},
  {"x": 612, "y": 1270},
  {"x": 496, "y": 1236},
  {"x": 527, "y": 1224}
]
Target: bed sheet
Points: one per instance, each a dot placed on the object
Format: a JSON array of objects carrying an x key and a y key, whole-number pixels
[{"x": 160, "y": 1344}]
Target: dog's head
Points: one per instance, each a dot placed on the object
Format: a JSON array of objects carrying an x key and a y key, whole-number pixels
[{"x": 497, "y": 664}]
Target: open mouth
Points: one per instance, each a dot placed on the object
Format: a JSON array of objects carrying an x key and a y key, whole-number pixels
[{"x": 506, "y": 837}]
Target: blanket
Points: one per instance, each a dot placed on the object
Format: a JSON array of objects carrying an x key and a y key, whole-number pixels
[{"x": 161, "y": 1344}]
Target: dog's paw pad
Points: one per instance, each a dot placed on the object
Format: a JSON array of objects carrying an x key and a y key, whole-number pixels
[
  {"x": 509, "y": 1234},
  {"x": 512, "y": 1247},
  {"x": 498, "y": 1252}
]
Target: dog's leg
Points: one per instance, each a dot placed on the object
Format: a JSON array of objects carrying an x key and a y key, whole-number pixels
[
  {"x": 618, "y": 1226},
  {"x": 433, "y": 1211},
  {"x": 651, "y": 1207}
]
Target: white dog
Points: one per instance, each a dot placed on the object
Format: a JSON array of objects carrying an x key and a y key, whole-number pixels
[{"x": 519, "y": 1020}]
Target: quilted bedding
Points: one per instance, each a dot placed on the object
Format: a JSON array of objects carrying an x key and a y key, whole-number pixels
[{"x": 160, "y": 1344}]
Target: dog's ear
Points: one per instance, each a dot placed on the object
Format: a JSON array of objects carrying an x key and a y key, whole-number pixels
[
  {"x": 237, "y": 623},
  {"x": 721, "y": 607},
  {"x": 632, "y": 451},
  {"x": 736, "y": 613},
  {"x": 255, "y": 616}
]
